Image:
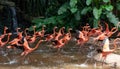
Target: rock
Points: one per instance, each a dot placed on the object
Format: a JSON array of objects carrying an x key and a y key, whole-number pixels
[{"x": 110, "y": 59}]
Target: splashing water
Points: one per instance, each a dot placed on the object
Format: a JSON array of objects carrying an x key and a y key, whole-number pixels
[
  {"x": 11, "y": 62},
  {"x": 81, "y": 65},
  {"x": 89, "y": 56},
  {"x": 84, "y": 64},
  {"x": 7, "y": 58},
  {"x": 26, "y": 62},
  {"x": 5, "y": 54}
]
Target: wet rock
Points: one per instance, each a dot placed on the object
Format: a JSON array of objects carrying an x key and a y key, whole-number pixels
[{"x": 111, "y": 59}]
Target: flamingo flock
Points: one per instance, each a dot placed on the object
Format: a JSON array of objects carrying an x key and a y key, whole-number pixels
[{"x": 59, "y": 38}]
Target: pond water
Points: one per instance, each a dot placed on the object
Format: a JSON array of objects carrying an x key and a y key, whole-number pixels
[
  {"x": 48, "y": 61},
  {"x": 48, "y": 58}
]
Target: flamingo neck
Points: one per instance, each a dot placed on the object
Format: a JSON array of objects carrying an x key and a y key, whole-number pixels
[
  {"x": 107, "y": 28},
  {"x": 60, "y": 30},
  {"x": 5, "y": 31},
  {"x": 114, "y": 43},
  {"x": 69, "y": 33},
  {"x": 54, "y": 31},
  {"x": 100, "y": 27},
  {"x": 114, "y": 29},
  {"x": 8, "y": 39},
  {"x": 81, "y": 34},
  {"x": 17, "y": 31},
  {"x": 36, "y": 46},
  {"x": 43, "y": 28},
  {"x": 25, "y": 32},
  {"x": 33, "y": 31}
]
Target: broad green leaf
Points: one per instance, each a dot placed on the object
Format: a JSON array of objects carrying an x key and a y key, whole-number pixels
[
  {"x": 50, "y": 20},
  {"x": 118, "y": 6},
  {"x": 95, "y": 24},
  {"x": 73, "y": 10},
  {"x": 109, "y": 7},
  {"x": 106, "y": 1},
  {"x": 73, "y": 3},
  {"x": 77, "y": 15},
  {"x": 112, "y": 18},
  {"x": 37, "y": 20},
  {"x": 85, "y": 10},
  {"x": 102, "y": 7},
  {"x": 63, "y": 8},
  {"x": 88, "y": 2},
  {"x": 97, "y": 13}
]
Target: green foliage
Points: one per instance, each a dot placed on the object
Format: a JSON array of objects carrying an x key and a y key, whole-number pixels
[
  {"x": 88, "y": 2},
  {"x": 74, "y": 13},
  {"x": 106, "y": 1},
  {"x": 73, "y": 3},
  {"x": 77, "y": 15},
  {"x": 73, "y": 6},
  {"x": 63, "y": 8},
  {"x": 95, "y": 23},
  {"x": 49, "y": 22},
  {"x": 70, "y": 13},
  {"x": 85, "y": 10},
  {"x": 73, "y": 10},
  {"x": 97, "y": 12},
  {"x": 108, "y": 7},
  {"x": 118, "y": 6},
  {"x": 112, "y": 18},
  {"x": 99, "y": 9}
]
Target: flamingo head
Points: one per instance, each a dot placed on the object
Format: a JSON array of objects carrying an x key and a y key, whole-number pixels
[
  {"x": 9, "y": 33},
  {"x": 70, "y": 28},
  {"x": 55, "y": 27},
  {"x": 27, "y": 28},
  {"x": 63, "y": 27},
  {"x": 87, "y": 24},
  {"x": 77, "y": 31},
  {"x": 44, "y": 26},
  {"x": 6, "y": 28},
  {"x": 77, "y": 34},
  {"x": 18, "y": 28},
  {"x": 34, "y": 26}
]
